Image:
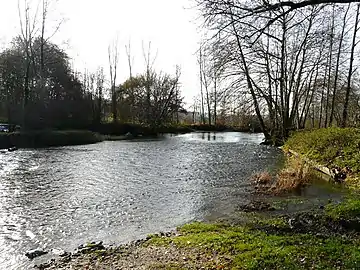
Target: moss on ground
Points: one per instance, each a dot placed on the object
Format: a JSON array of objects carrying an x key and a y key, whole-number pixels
[
  {"x": 348, "y": 209},
  {"x": 246, "y": 248}
]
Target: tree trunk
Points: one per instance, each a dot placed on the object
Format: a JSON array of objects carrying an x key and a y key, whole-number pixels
[
  {"x": 348, "y": 88},
  {"x": 250, "y": 85},
  {"x": 330, "y": 67},
  {"x": 337, "y": 67}
]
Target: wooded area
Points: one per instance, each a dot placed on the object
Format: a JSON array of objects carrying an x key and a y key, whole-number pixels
[
  {"x": 40, "y": 89},
  {"x": 292, "y": 64},
  {"x": 278, "y": 65}
]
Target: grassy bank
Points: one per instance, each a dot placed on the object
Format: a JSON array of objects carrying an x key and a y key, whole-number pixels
[
  {"x": 273, "y": 243},
  {"x": 336, "y": 148},
  {"x": 47, "y": 138},
  {"x": 333, "y": 147},
  {"x": 239, "y": 247}
]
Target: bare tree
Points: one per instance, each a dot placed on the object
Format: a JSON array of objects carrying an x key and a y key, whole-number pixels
[
  {"x": 129, "y": 58},
  {"x": 338, "y": 58},
  {"x": 349, "y": 80},
  {"x": 28, "y": 29},
  {"x": 149, "y": 63},
  {"x": 113, "y": 64},
  {"x": 281, "y": 59},
  {"x": 202, "y": 108},
  {"x": 206, "y": 84},
  {"x": 100, "y": 78}
]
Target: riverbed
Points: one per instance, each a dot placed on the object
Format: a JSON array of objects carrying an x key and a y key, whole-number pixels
[{"x": 59, "y": 198}]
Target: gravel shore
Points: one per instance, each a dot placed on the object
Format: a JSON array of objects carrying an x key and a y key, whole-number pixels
[{"x": 137, "y": 255}]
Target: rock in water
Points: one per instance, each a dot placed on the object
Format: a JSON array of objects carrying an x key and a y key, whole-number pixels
[
  {"x": 30, "y": 234},
  {"x": 59, "y": 252},
  {"x": 32, "y": 254}
]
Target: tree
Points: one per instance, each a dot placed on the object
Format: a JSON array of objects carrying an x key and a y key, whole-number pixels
[
  {"x": 149, "y": 62},
  {"x": 162, "y": 90},
  {"x": 287, "y": 67},
  {"x": 63, "y": 103},
  {"x": 113, "y": 55},
  {"x": 349, "y": 80},
  {"x": 28, "y": 28},
  {"x": 202, "y": 108},
  {"x": 339, "y": 53}
]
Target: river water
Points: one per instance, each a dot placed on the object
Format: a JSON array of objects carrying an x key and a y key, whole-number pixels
[{"x": 59, "y": 198}]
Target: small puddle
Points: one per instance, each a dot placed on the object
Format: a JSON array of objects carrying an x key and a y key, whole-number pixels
[
  {"x": 314, "y": 197},
  {"x": 319, "y": 193}
]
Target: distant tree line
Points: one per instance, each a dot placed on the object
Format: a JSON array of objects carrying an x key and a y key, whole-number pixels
[{"x": 40, "y": 89}]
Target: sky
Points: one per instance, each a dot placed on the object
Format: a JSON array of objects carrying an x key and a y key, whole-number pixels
[{"x": 89, "y": 26}]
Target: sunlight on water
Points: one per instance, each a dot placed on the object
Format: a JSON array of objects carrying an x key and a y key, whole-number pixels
[
  {"x": 59, "y": 198},
  {"x": 8, "y": 163}
]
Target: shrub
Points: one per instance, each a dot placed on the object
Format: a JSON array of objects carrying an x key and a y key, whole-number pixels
[{"x": 262, "y": 178}]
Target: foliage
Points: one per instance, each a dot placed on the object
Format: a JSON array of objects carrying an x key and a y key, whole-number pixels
[
  {"x": 151, "y": 98},
  {"x": 54, "y": 98},
  {"x": 253, "y": 249},
  {"x": 333, "y": 147}
]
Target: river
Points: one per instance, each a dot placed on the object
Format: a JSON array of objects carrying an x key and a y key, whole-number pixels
[{"x": 59, "y": 198}]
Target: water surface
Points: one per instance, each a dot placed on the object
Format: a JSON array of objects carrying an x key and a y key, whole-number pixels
[{"x": 121, "y": 191}]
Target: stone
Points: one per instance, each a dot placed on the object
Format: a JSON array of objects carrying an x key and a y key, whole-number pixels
[{"x": 32, "y": 254}]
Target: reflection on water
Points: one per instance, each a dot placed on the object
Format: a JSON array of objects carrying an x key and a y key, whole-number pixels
[
  {"x": 120, "y": 191},
  {"x": 228, "y": 137}
]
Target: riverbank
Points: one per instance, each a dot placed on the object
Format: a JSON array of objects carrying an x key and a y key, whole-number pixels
[
  {"x": 95, "y": 134},
  {"x": 334, "y": 148},
  {"x": 117, "y": 130},
  {"x": 323, "y": 236},
  {"x": 47, "y": 138},
  {"x": 322, "y": 239}
]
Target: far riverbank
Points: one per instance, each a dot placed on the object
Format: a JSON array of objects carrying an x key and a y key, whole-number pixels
[{"x": 95, "y": 134}]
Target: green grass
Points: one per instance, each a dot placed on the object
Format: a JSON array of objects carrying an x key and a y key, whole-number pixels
[
  {"x": 330, "y": 147},
  {"x": 254, "y": 249},
  {"x": 348, "y": 209}
]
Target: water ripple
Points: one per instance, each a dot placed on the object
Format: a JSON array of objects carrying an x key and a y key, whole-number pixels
[{"x": 119, "y": 191}]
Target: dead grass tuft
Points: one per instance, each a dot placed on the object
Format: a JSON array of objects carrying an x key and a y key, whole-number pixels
[
  {"x": 262, "y": 178},
  {"x": 295, "y": 176}
]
